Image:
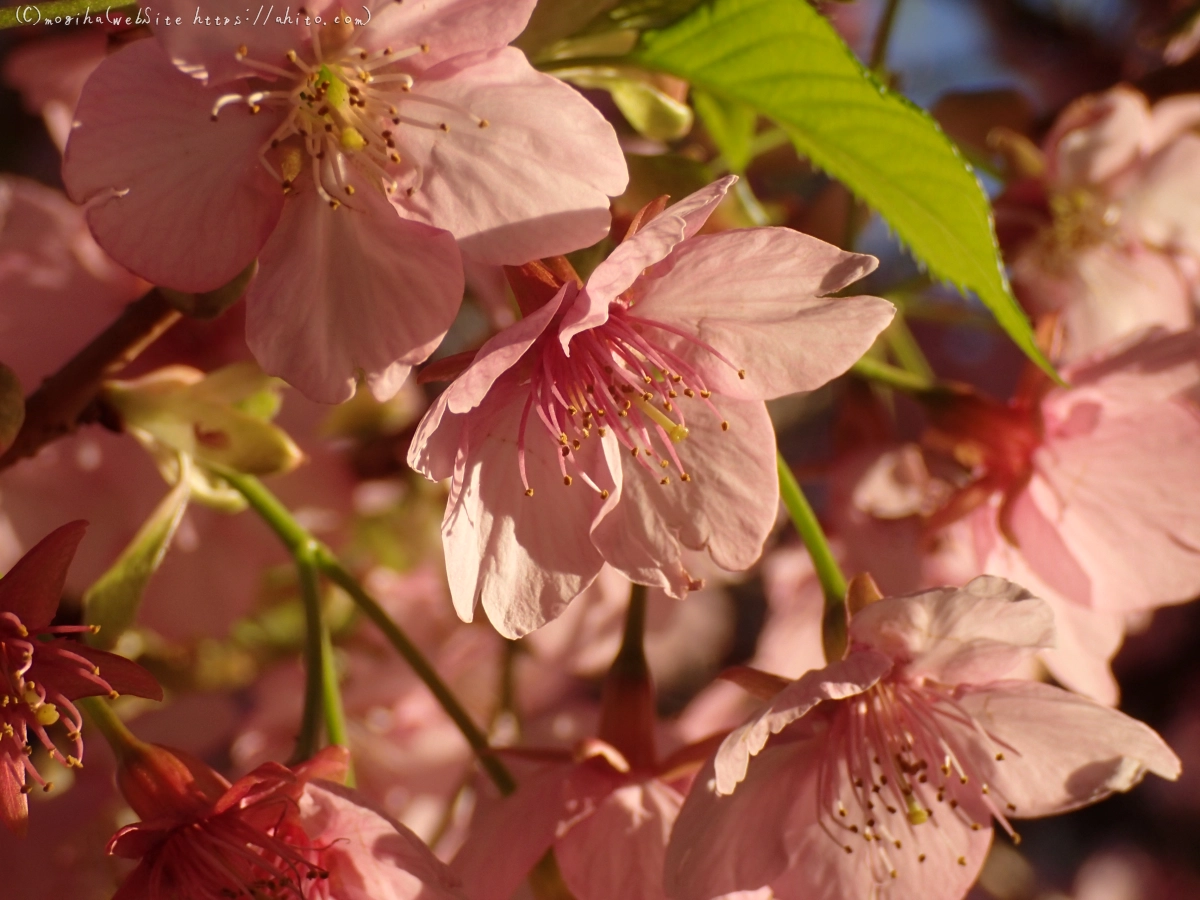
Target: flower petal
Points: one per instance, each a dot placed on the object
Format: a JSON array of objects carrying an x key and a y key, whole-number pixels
[
  {"x": 1121, "y": 486},
  {"x": 723, "y": 843},
  {"x": 953, "y": 635},
  {"x": 125, "y": 676},
  {"x": 526, "y": 186},
  {"x": 727, "y": 508},
  {"x": 1069, "y": 751},
  {"x": 650, "y": 245},
  {"x": 1096, "y": 137},
  {"x": 206, "y": 44},
  {"x": 179, "y": 199},
  {"x": 618, "y": 850},
  {"x": 509, "y": 836},
  {"x": 524, "y": 557},
  {"x": 369, "y": 855},
  {"x": 757, "y": 297},
  {"x": 837, "y": 681},
  {"x": 350, "y": 290},
  {"x": 34, "y": 585},
  {"x": 448, "y": 28},
  {"x": 1162, "y": 206},
  {"x": 438, "y": 436}
]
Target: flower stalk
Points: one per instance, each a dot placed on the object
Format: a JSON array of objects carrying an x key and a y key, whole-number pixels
[{"x": 299, "y": 541}]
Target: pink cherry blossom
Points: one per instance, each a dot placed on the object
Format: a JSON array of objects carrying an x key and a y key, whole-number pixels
[
  {"x": 645, "y": 386},
  {"x": 880, "y": 774},
  {"x": 1116, "y": 247},
  {"x": 607, "y": 823},
  {"x": 1097, "y": 483},
  {"x": 43, "y": 671},
  {"x": 358, "y": 163},
  {"x": 274, "y": 833}
]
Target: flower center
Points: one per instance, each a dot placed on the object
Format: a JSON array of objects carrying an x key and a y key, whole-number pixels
[
  {"x": 618, "y": 376},
  {"x": 32, "y": 706},
  {"x": 345, "y": 107},
  {"x": 897, "y": 761},
  {"x": 1080, "y": 219},
  {"x": 228, "y": 857}
]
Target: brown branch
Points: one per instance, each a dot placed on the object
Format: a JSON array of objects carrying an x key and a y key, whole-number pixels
[{"x": 55, "y": 408}]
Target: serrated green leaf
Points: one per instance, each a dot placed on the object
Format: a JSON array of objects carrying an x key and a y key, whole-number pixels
[
  {"x": 730, "y": 124},
  {"x": 784, "y": 59},
  {"x": 112, "y": 601}
]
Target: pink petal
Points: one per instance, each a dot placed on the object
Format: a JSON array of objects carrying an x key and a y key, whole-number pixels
[
  {"x": 953, "y": 635},
  {"x": 936, "y": 860},
  {"x": 14, "y": 802},
  {"x": 650, "y": 245},
  {"x": 1108, "y": 293},
  {"x": 524, "y": 557},
  {"x": 208, "y": 51},
  {"x": 177, "y": 198},
  {"x": 350, "y": 290},
  {"x": 618, "y": 850},
  {"x": 1122, "y": 490},
  {"x": 509, "y": 836},
  {"x": 781, "y": 330},
  {"x": 723, "y": 843},
  {"x": 448, "y": 27},
  {"x": 838, "y": 680},
  {"x": 728, "y": 508},
  {"x": 33, "y": 587},
  {"x": 1066, "y": 751},
  {"x": 1162, "y": 204},
  {"x": 1096, "y": 137},
  {"x": 1085, "y": 641},
  {"x": 49, "y": 74},
  {"x": 439, "y": 434},
  {"x": 528, "y": 185},
  {"x": 370, "y": 856},
  {"x": 48, "y": 260},
  {"x": 1170, "y": 118}
]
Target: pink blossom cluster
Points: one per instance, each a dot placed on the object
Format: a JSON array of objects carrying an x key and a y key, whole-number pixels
[{"x": 598, "y": 412}]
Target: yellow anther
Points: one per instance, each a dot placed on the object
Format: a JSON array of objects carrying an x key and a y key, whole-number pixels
[
  {"x": 603, "y": 495},
  {"x": 567, "y": 480},
  {"x": 528, "y": 492},
  {"x": 724, "y": 426},
  {"x": 665, "y": 481},
  {"x": 685, "y": 477}
]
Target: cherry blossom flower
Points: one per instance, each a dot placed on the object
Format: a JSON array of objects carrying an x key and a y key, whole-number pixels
[
  {"x": 645, "y": 386},
  {"x": 1114, "y": 245},
  {"x": 1097, "y": 484},
  {"x": 358, "y": 163},
  {"x": 43, "y": 671},
  {"x": 274, "y": 833},
  {"x": 880, "y": 774}
]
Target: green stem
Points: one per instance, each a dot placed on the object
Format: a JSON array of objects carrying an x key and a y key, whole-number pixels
[
  {"x": 829, "y": 573},
  {"x": 309, "y": 739},
  {"x": 408, "y": 650},
  {"x": 101, "y": 716},
  {"x": 298, "y": 541},
  {"x": 883, "y": 34},
  {"x": 904, "y": 347},
  {"x": 577, "y": 62},
  {"x": 39, "y": 13},
  {"x": 335, "y": 711},
  {"x": 893, "y": 376}
]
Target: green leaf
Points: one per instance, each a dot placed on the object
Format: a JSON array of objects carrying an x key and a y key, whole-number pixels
[
  {"x": 781, "y": 58},
  {"x": 112, "y": 602},
  {"x": 731, "y": 126},
  {"x": 648, "y": 108}
]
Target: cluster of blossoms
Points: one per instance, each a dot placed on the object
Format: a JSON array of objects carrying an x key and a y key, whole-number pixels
[{"x": 604, "y": 466}]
